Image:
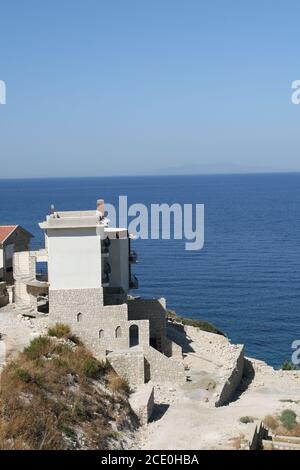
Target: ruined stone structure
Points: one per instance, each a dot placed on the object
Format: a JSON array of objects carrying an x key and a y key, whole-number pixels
[
  {"x": 13, "y": 238},
  {"x": 88, "y": 278},
  {"x": 4, "y": 297}
]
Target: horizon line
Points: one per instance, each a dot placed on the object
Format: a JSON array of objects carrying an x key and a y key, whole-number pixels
[{"x": 147, "y": 175}]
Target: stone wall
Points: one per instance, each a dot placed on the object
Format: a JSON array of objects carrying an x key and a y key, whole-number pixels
[
  {"x": 129, "y": 364},
  {"x": 34, "y": 292},
  {"x": 152, "y": 310},
  {"x": 172, "y": 349},
  {"x": 161, "y": 369},
  {"x": 24, "y": 266},
  {"x": 142, "y": 402},
  {"x": 233, "y": 377},
  {"x": 103, "y": 328}
]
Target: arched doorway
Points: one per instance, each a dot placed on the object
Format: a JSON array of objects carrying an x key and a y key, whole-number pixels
[{"x": 133, "y": 335}]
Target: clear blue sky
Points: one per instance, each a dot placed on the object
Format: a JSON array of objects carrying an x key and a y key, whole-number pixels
[{"x": 100, "y": 87}]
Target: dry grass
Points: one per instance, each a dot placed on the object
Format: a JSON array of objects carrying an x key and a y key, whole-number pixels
[
  {"x": 270, "y": 422},
  {"x": 50, "y": 399},
  {"x": 283, "y": 425},
  {"x": 63, "y": 331},
  {"x": 116, "y": 384},
  {"x": 236, "y": 441}
]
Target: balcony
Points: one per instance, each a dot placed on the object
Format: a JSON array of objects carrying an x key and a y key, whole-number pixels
[
  {"x": 104, "y": 252},
  {"x": 133, "y": 283},
  {"x": 105, "y": 244},
  {"x": 133, "y": 257}
]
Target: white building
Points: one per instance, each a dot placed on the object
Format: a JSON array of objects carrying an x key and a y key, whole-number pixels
[
  {"x": 83, "y": 252},
  {"x": 89, "y": 276}
]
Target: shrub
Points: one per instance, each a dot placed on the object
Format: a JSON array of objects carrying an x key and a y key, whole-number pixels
[
  {"x": 201, "y": 324},
  {"x": 288, "y": 419},
  {"x": 117, "y": 384},
  {"x": 91, "y": 367},
  {"x": 38, "y": 347},
  {"x": 63, "y": 331},
  {"x": 295, "y": 432},
  {"x": 290, "y": 401},
  {"x": 246, "y": 419},
  {"x": 59, "y": 330},
  {"x": 287, "y": 365},
  {"x": 69, "y": 432},
  {"x": 270, "y": 422},
  {"x": 23, "y": 375}
]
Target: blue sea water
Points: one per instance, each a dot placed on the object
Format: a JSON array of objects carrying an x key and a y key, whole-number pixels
[{"x": 246, "y": 279}]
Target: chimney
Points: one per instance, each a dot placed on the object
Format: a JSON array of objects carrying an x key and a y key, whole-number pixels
[{"x": 100, "y": 207}]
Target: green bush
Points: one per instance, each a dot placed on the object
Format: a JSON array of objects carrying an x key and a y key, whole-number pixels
[
  {"x": 38, "y": 347},
  {"x": 287, "y": 365},
  {"x": 201, "y": 324},
  {"x": 288, "y": 419}
]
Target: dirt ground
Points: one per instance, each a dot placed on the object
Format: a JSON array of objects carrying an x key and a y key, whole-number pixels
[{"x": 185, "y": 417}]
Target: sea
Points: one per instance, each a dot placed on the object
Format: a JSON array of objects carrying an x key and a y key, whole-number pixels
[{"x": 245, "y": 279}]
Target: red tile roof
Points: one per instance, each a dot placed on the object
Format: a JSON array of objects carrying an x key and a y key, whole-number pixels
[{"x": 5, "y": 231}]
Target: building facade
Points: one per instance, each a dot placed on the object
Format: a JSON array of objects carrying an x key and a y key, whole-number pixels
[{"x": 89, "y": 276}]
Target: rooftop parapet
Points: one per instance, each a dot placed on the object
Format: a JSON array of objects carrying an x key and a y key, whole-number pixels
[
  {"x": 59, "y": 222},
  {"x": 74, "y": 219}
]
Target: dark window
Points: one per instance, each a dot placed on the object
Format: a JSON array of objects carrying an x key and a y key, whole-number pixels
[
  {"x": 133, "y": 335},
  {"x": 118, "y": 332}
]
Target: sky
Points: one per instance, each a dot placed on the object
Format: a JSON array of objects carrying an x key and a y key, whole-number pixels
[{"x": 114, "y": 87}]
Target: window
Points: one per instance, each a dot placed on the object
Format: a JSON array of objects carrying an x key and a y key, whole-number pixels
[
  {"x": 79, "y": 317},
  {"x": 133, "y": 335},
  {"x": 101, "y": 334},
  {"x": 118, "y": 332}
]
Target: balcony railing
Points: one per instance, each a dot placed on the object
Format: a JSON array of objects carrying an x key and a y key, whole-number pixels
[
  {"x": 133, "y": 283},
  {"x": 133, "y": 257}
]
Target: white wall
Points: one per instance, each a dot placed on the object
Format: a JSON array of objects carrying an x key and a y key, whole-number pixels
[
  {"x": 1, "y": 258},
  {"x": 118, "y": 260},
  {"x": 74, "y": 258}
]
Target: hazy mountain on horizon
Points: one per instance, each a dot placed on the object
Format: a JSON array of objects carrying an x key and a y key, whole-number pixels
[{"x": 217, "y": 168}]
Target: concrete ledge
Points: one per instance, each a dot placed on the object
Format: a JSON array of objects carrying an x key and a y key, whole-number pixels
[
  {"x": 232, "y": 378},
  {"x": 129, "y": 364},
  {"x": 162, "y": 370},
  {"x": 142, "y": 402}
]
